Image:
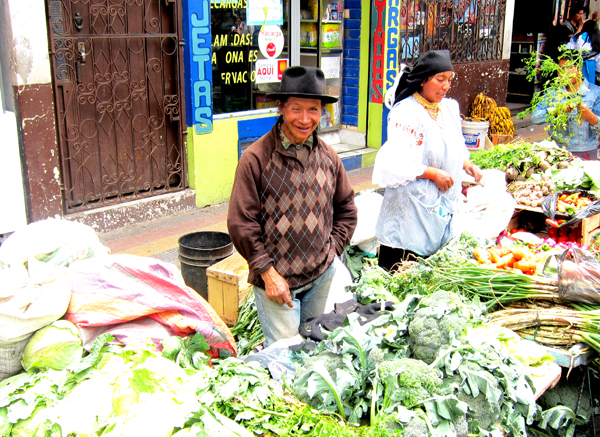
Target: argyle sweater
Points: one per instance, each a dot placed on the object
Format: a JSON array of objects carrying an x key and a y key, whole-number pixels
[{"x": 288, "y": 216}]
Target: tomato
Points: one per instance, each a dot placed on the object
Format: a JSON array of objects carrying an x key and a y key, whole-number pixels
[
  {"x": 553, "y": 233},
  {"x": 514, "y": 230},
  {"x": 563, "y": 239},
  {"x": 563, "y": 232}
]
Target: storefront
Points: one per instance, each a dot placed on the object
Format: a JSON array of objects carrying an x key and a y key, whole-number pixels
[
  {"x": 474, "y": 32},
  {"x": 530, "y": 35},
  {"x": 237, "y": 59}
]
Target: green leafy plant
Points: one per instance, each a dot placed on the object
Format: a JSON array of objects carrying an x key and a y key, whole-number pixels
[{"x": 558, "y": 94}]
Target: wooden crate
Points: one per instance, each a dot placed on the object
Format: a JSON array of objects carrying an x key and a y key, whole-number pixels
[
  {"x": 228, "y": 287},
  {"x": 589, "y": 227},
  {"x": 586, "y": 228}
]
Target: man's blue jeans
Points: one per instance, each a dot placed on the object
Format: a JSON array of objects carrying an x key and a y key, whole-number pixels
[{"x": 281, "y": 321}]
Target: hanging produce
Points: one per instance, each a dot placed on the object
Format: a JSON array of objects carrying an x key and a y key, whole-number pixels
[{"x": 485, "y": 108}]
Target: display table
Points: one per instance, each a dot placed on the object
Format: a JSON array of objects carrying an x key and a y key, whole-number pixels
[{"x": 548, "y": 380}]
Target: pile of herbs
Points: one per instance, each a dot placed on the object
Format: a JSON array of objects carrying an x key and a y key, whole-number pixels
[
  {"x": 247, "y": 330},
  {"x": 521, "y": 159},
  {"x": 557, "y": 94},
  {"x": 419, "y": 276}
]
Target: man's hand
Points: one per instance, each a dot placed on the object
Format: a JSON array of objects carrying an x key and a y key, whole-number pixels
[
  {"x": 443, "y": 180},
  {"x": 475, "y": 171},
  {"x": 277, "y": 288}
]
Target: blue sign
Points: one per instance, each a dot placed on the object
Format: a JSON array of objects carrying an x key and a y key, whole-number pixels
[{"x": 198, "y": 67}]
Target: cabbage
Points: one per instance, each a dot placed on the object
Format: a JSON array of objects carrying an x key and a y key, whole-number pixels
[
  {"x": 55, "y": 346},
  {"x": 35, "y": 425},
  {"x": 156, "y": 388}
]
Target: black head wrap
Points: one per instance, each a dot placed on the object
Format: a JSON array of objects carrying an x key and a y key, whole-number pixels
[{"x": 430, "y": 64}]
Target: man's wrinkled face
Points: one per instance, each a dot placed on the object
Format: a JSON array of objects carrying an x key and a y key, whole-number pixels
[{"x": 300, "y": 117}]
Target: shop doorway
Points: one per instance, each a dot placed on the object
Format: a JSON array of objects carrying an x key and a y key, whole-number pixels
[
  {"x": 118, "y": 93},
  {"x": 533, "y": 22}
]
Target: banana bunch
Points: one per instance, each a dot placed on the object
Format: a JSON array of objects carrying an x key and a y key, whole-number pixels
[
  {"x": 501, "y": 122},
  {"x": 482, "y": 108}
]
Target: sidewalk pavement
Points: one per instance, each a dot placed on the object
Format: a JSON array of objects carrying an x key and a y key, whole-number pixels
[{"x": 158, "y": 238}]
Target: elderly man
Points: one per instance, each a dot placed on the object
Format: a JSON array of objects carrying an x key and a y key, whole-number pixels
[{"x": 292, "y": 209}]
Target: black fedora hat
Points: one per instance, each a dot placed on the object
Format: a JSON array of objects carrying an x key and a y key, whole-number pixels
[{"x": 303, "y": 82}]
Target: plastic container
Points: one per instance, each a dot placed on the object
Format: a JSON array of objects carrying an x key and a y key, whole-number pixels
[
  {"x": 330, "y": 35},
  {"x": 308, "y": 35},
  {"x": 197, "y": 252},
  {"x": 475, "y": 133}
]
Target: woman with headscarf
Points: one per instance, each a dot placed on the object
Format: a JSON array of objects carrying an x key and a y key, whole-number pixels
[{"x": 421, "y": 163}]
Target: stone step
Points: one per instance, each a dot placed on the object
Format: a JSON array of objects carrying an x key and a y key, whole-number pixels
[{"x": 345, "y": 147}]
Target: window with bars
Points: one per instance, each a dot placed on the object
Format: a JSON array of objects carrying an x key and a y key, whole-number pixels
[{"x": 472, "y": 30}]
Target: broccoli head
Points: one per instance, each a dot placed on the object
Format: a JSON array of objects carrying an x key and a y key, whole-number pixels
[
  {"x": 407, "y": 382},
  {"x": 482, "y": 412},
  {"x": 417, "y": 427},
  {"x": 332, "y": 361},
  {"x": 430, "y": 330}
]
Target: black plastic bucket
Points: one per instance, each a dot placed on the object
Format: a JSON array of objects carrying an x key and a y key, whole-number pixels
[{"x": 197, "y": 252}]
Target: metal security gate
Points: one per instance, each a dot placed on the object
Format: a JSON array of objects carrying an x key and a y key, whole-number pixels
[
  {"x": 472, "y": 30},
  {"x": 117, "y": 67}
]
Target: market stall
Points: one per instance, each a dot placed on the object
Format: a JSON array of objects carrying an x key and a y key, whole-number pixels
[{"x": 469, "y": 341}]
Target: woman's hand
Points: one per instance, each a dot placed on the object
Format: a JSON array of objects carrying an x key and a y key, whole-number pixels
[
  {"x": 443, "y": 180},
  {"x": 588, "y": 115},
  {"x": 277, "y": 288},
  {"x": 475, "y": 171}
]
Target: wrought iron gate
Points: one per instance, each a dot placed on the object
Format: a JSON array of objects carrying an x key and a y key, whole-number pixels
[
  {"x": 117, "y": 68},
  {"x": 472, "y": 30}
]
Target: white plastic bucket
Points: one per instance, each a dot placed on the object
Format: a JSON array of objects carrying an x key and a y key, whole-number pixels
[{"x": 475, "y": 133}]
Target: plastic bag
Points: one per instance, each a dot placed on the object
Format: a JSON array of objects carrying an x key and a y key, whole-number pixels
[
  {"x": 117, "y": 289},
  {"x": 549, "y": 208},
  {"x": 579, "y": 277},
  {"x": 46, "y": 244},
  {"x": 26, "y": 307},
  {"x": 368, "y": 205},
  {"x": 486, "y": 210}
]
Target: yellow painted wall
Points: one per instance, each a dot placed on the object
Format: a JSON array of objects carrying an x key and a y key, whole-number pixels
[
  {"x": 374, "y": 125},
  {"x": 212, "y": 160}
]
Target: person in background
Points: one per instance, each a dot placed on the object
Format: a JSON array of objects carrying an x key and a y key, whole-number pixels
[
  {"x": 292, "y": 210},
  {"x": 421, "y": 164},
  {"x": 580, "y": 136},
  {"x": 596, "y": 16},
  {"x": 558, "y": 36},
  {"x": 575, "y": 21},
  {"x": 587, "y": 42}
]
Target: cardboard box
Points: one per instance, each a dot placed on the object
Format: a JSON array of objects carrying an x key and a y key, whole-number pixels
[
  {"x": 501, "y": 139},
  {"x": 228, "y": 287}
]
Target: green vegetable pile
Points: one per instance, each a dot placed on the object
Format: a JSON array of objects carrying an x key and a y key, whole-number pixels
[
  {"x": 458, "y": 384},
  {"x": 247, "y": 330},
  {"x": 520, "y": 160},
  {"x": 376, "y": 284},
  {"x": 579, "y": 174}
]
